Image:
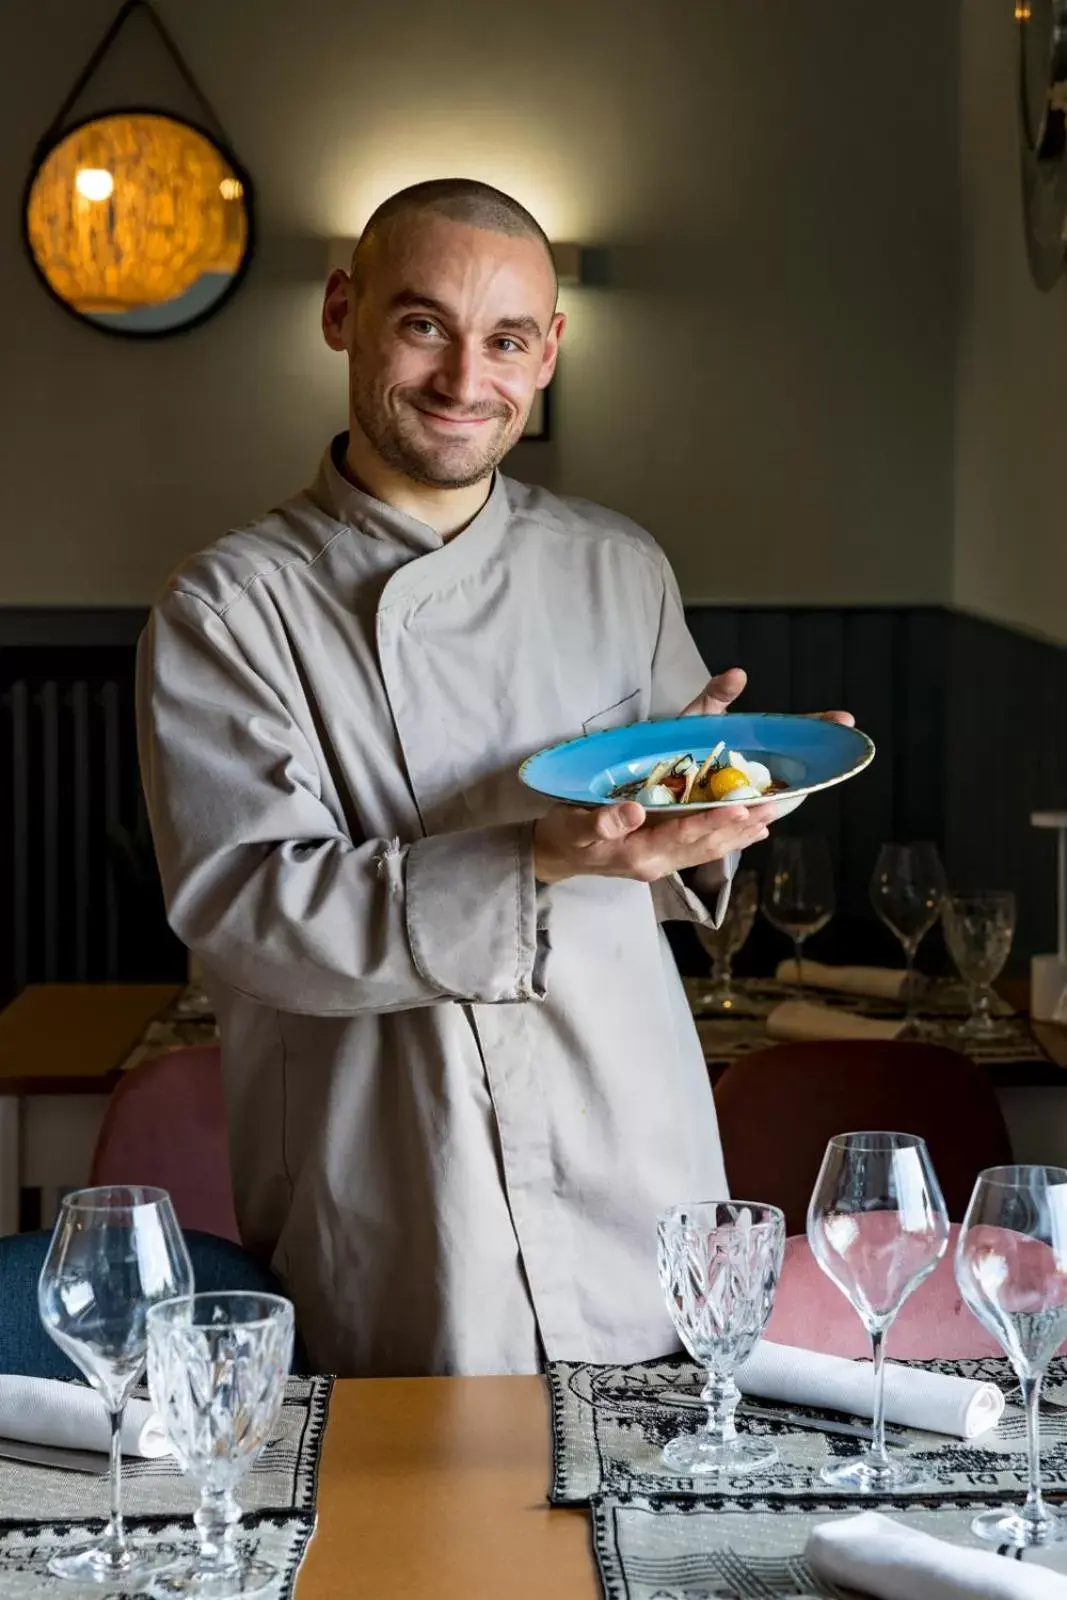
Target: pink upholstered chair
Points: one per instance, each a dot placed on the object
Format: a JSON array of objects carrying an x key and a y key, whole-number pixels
[
  {"x": 165, "y": 1125},
  {"x": 778, "y": 1107},
  {"x": 810, "y": 1311}
]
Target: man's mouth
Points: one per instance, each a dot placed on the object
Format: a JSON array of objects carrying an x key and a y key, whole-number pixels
[{"x": 448, "y": 419}]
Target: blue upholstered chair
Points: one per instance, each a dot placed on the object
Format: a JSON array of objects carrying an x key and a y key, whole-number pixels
[{"x": 26, "y": 1348}]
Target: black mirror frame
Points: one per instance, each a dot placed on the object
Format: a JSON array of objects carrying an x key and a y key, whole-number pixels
[{"x": 40, "y": 156}]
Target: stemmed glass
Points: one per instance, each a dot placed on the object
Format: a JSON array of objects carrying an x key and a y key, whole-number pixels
[
  {"x": 719, "y": 1262},
  {"x": 907, "y": 891},
  {"x": 877, "y": 1226},
  {"x": 217, "y": 1366},
  {"x": 723, "y": 943},
  {"x": 1011, "y": 1268},
  {"x": 978, "y": 931},
  {"x": 798, "y": 892},
  {"x": 114, "y": 1253}
]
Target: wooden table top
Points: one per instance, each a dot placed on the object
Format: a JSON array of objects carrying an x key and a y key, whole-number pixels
[
  {"x": 71, "y": 1038},
  {"x": 435, "y": 1487}
]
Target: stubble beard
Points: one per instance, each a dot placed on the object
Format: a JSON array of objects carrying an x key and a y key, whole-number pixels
[{"x": 394, "y": 436}]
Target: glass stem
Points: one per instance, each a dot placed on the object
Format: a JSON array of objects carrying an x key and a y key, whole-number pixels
[
  {"x": 910, "y": 951},
  {"x": 217, "y": 1521},
  {"x": 114, "y": 1536},
  {"x": 798, "y": 946},
  {"x": 1033, "y": 1512},
  {"x": 878, "y": 1450},
  {"x": 720, "y": 972},
  {"x": 721, "y": 1396}
]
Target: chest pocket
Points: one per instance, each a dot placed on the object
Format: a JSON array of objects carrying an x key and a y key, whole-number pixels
[{"x": 619, "y": 715}]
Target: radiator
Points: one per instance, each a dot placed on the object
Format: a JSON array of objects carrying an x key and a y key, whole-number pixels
[{"x": 79, "y": 900}]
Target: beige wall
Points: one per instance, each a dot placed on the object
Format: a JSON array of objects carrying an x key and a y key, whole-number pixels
[
  {"x": 768, "y": 384},
  {"x": 1011, "y": 440}
]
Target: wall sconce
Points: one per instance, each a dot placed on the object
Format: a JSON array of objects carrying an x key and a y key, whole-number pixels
[{"x": 569, "y": 259}]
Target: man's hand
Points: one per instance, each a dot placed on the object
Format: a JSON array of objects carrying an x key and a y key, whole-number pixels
[
  {"x": 612, "y": 841},
  {"x": 723, "y": 690}
]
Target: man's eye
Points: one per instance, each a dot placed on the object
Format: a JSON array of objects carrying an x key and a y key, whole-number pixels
[
  {"x": 423, "y": 325},
  {"x": 508, "y": 345}
]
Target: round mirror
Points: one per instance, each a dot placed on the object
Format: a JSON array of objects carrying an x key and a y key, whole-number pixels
[
  {"x": 139, "y": 223},
  {"x": 1043, "y": 119}
]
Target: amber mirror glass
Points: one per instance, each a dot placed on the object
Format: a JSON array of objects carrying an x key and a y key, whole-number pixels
[{"x": 139, "y": 223}]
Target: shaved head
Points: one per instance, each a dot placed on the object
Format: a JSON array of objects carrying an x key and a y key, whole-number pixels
[
  {"x": 479, "y": 205},
  {"x": 450, "y": 324}
]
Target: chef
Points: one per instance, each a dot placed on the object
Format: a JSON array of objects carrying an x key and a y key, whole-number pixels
[{"x": 461, "y": 1075}]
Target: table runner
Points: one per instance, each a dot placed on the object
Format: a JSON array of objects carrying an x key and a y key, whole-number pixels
[
  {"x": 943, "y": 1006},
  {"x": 25, "y": 1550},
  {"x": 284, "y": 1478},
  {"x": 610, "y": 1423},
  {"x": 677, "y": 1550}
]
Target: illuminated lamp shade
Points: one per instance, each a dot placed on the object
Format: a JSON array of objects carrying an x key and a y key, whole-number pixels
[{"x": 138, "y": 218}]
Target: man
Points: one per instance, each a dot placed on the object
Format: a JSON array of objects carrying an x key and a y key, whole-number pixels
[{"x": 461, "y": 1075}]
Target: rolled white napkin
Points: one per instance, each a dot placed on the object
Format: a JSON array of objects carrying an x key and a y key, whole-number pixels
[
  {"x": 933, "y": 1401},
  {"x": 800, "y": 1019},
  {"x": 880, "y": 1557},
  {"x": 47, "y": 1411},
  {"x": 880, "y": 983}
]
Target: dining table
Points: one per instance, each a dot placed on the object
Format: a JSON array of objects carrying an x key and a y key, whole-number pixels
[{"x": 435, "y": 1489}]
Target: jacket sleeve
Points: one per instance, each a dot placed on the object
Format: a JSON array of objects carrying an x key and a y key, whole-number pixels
[{"x": 264, "y": 885}]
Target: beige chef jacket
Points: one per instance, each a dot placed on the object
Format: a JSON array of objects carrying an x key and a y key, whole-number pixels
[{"x": 457, "y": 1099}]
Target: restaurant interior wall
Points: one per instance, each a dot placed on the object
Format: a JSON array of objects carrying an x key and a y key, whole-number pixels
[
  {"x": 1010, "y": 559},
  {"x": 765, "y": 380}
]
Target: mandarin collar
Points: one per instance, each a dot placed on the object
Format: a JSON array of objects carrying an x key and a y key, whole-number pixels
[{"x": 353, "y": 507}]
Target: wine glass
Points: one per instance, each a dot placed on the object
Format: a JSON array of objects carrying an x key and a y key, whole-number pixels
[
  {"x": 217, "y": 1367},
  {"x": 1011, "y": 1268},
  {"x": 798, "y": 892},
  {"x": 114, "y": 1253},
  {"x": 907, "y": 891},
  {"x": 978, "y": 931},
  {"x": 719, "y": 1262},
  {"x": 723, "y": 943},
  {"x": 877, "y": 1226}
]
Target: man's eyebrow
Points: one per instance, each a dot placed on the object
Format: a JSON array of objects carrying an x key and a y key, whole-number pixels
[{"x": 412, "y": 300}]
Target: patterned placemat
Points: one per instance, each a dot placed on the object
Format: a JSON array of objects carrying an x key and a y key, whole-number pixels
[
  {"x": 26, "y": 1550},
  {"x": 944, "y": 1005},
  {"x": 609, "y": 1426},
  {"x": 284, "y": 1478},
  {"x": 676, "y": 1550}
]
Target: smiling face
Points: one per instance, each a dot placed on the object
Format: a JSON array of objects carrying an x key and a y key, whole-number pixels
[{"x": 450, "y": 332}]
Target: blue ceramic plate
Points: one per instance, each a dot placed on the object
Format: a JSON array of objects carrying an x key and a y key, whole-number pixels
[{"x": 802, "y": 752}]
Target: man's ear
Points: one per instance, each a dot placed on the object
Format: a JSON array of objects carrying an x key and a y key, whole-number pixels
[
  {"x": 336, "y": 306},
  {"x": 550, "y": 353}
]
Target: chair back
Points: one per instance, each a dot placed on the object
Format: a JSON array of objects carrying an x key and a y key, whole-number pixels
[
  {"x": 26, "y": 1348},
  {"x": 933, "y": 1323},
  {"x": 778, "y": 1107},
  {"x": 165, "y": 1126}
]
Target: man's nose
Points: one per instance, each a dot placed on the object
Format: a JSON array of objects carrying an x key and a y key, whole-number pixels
[{"x": 459, "y": 375}]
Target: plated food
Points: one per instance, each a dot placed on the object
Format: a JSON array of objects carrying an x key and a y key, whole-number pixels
[{"x": 684, "y": 780}]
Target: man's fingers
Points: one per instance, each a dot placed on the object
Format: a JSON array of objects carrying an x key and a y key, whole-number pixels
[
  {"x": 845, "y": 718},
  {"x": 674, "y": 843},
  {"x": 616, "y": 821},
  {"x": 718, "y": 694}
]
